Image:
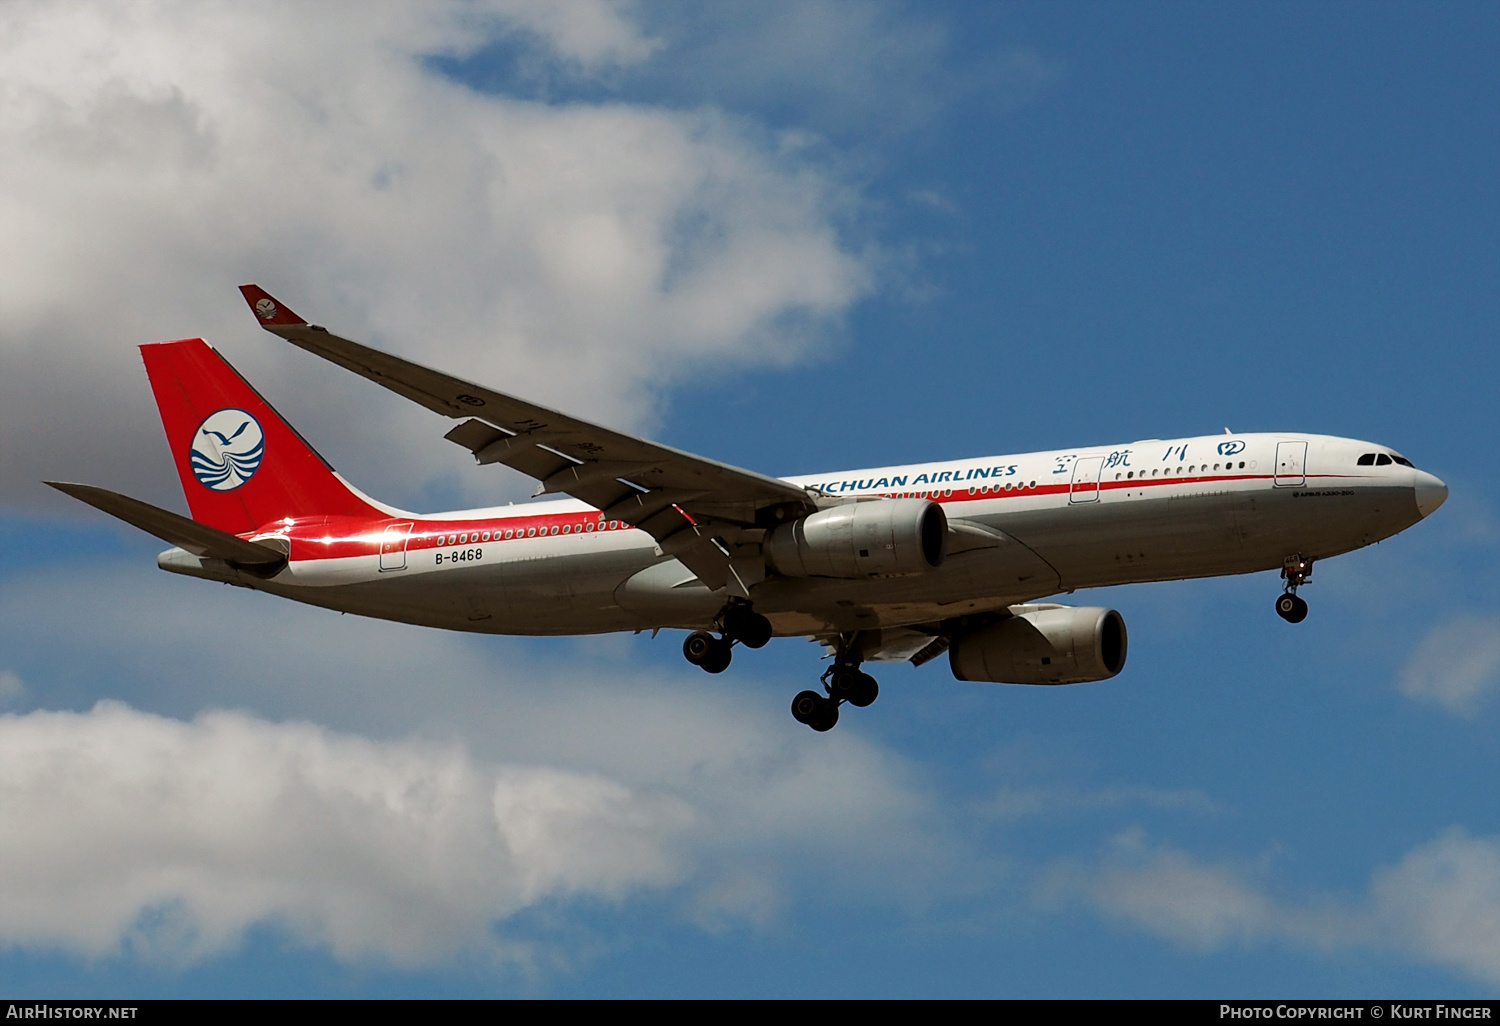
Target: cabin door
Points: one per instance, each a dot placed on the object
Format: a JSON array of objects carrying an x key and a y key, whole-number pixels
[
  {"x": 393, "y": 547},
  {"x": 1291, "y": 464},
  {"x": 1086, "y": 473}
]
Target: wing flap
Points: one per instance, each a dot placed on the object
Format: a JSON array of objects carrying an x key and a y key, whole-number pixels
[{"x": 173, "y": 528}]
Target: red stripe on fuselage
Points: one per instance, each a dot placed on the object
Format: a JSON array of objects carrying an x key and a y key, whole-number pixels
[{"x": 348, "y": 537}]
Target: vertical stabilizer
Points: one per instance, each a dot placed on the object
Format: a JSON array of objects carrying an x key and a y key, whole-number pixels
[{"x": 242, "y": 466}]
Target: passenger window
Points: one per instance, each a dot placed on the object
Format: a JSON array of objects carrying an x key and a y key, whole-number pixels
[
  {"x": 509, "y": 535},
  {"x": 531, "y": 532},
  {"x": 1367, "y": 460},
  {"x": 1382, "y": 460}
]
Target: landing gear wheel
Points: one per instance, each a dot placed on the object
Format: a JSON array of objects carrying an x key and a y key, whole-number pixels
[
  {"x": 697, "y": 646},
  {"x": 866, "y": 690},
  {"x": 746, "y": 626},
  {"x": 717, "y": 660},
  {"x": 1291, "y": 608},
  {"x": 815, "y": 710},
  {"x": 843, "y": 682},
  {"x": 852, "y": 686}
]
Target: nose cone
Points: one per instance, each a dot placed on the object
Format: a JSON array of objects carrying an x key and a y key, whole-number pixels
[{"x": 1431, "y": 493}]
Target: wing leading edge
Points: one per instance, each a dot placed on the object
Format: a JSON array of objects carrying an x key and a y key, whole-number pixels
[{"x": 697, "y": 509}]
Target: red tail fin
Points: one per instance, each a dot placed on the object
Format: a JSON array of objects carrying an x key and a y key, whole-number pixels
[{"x": 241, "y": 465}]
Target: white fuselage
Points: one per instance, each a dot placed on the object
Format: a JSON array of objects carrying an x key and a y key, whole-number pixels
[{"x": 1053, "y": 522}]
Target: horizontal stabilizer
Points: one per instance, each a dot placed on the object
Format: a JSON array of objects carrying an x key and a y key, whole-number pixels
[{"x": 199, "y": 539}]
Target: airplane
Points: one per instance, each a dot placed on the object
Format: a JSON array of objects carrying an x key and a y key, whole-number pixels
[{"x": 880, "y": 564}]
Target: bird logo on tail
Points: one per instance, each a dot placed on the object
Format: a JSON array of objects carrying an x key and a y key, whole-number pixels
[{"x": 227, "y": 450}]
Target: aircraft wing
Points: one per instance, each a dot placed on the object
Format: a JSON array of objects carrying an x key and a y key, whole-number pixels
[{"x": 684, "y": 501}]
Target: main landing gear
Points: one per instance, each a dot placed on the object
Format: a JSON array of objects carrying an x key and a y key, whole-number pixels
[
  {"x": 738, "y": 622},
  {"x": 843, "y": 682},
  {"x": 1289, "y": 606}
]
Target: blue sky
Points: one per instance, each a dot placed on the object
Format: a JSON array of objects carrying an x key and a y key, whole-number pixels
[{"x": 796, "y": 238}]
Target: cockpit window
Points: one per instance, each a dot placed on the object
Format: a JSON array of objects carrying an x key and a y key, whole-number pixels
[{"x": 1381, "y": 459}]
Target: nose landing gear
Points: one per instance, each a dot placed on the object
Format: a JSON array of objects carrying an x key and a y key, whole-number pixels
[{"x": 1289, "y": 606}]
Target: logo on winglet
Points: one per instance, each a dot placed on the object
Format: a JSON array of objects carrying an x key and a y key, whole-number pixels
[
  {"x": 266, "y": 308},
  {"x": 227, "y": 449}
]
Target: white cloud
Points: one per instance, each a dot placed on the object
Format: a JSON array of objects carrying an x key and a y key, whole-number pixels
[
  {"x": 531, "y": 780},
  {"x": 1440, "y": 904},
  {"x": 873, "y": 67},
  {"x": 128, "y": 829},
  {"x": 1443, "y": 901},
  {"x": 852, "y": 71},
  {"x": 1168, "y": 892},
  {"x": 1457, "y": 665},
  {"x": 130, "y": 832},
  {"x": 158, "y": 154},
  {"x": 594, "y": 34}
]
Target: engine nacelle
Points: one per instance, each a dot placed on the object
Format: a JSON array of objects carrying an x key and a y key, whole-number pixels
[
  {"x": 861, "y": 539},
  {"x": 1057, "y": 645}
]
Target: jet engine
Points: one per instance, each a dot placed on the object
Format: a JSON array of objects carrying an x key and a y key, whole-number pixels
[
  {"x": 861, "y": 539},
  {"x": 1043, "y": 645}
]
